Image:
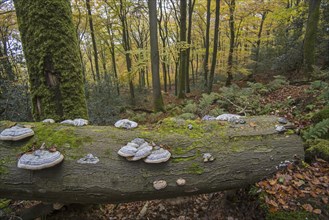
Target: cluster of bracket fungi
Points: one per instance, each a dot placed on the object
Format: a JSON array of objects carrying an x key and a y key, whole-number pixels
[{"x": 140, "y": 149}]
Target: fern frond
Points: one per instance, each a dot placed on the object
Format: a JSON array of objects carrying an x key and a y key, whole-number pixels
[{"x": 318, "y": 130}]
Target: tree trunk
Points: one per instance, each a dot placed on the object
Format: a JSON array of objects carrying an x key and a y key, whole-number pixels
[
  {"x": 310, "y": 36},
  {"x": 93, "y": 39},
  {"x": 206, "y": 57},
  {"x": 157, "y": 96},
  {"x": 191, "y": 4},
  {"x": 214, "y": 55},
  {"x": 127, "y": 48},
  {"x": 244, "y": 155},
  {"x": 259, "y": 35},
  {"x": 52, "y": 55},
  {"x": 232, "y": 42},
  {"x": 183, "y": 50}
]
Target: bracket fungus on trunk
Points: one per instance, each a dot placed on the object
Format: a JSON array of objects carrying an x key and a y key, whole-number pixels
[
  {"x": 16, "y": 133},
  {"x": 39, "y": 159},
  {"x": 125, "y": 123}
]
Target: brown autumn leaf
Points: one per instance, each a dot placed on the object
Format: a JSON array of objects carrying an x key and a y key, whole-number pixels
[
  {"x": 325, "y": 200},
  {"x": 271, "y": 192},
  {"x": 299, "y": 176},
  {"x": 313, "y": 194},
  {"x": 273, "y": 203},
  {"x": 316, "y": 181},
  {"x": 281, "y": 201},
  {"x": 307, "y": 207},
  {"x": 317, "y": 211},
  {"x": 273, "y": 182},
  {"x": 252, "y": 124}
]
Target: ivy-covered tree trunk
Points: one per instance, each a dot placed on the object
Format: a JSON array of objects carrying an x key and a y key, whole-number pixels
[
  {"x": 52, "y": 55},
  {"x": 310, "y": 36}
]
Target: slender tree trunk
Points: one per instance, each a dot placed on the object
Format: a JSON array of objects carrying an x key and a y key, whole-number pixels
[
  {"x": 206, "y": 57},
  {"x": 232, "y": 43},
  {"x": 191, "y": 4},
  {"x": 52, "y": 59},
  {"x": 214, "y": 56},
  {"x": 259, "y": 35},
  {"x": 310, "y": 36},
  {"x": 93, "y": 39},
  {"x": 183, "y": 50},
  {"x": 126, "y": 45},
  {"x": 157, "y": 96}
]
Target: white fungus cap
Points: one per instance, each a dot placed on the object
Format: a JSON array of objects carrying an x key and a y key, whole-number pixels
[
  {"x": 125, "y": 123},
  {"x": 127, "y": 151},
  {"x": 49, "y": 120},
  {"x": 158, "y": 156},
  {"x": 16, "y": 133},
  {"x": 228, "y": 117},
  {"x": 68, "y": 121},
  {"x": 143, "y": 151},
  {"x": 159, "y": 184},
  {"x": 39, "y": 159},
  {"x": 80, "y": 122}
]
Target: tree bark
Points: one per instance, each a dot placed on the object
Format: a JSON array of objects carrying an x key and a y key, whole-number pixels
[
  {"x": 310, "y": 36},
  {"x": 52, "y": 55},
  {"x": 191, "y": 4},
  {"x": 206, "y": 57},
  {"x": 214, "y": 56},
  {"x": 93, "y": 39},
  {"x": 244, "y": 155},
  {"x": 183, "y": 50},
  {"x": 229, "y": 79},
  {"x": 157, "y": 96}
]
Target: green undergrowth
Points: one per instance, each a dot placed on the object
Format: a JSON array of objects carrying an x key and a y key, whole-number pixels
[
  {"x": 296, "y": 215},
  {"x": 318, "y": 148},
  {"x": 54, "y": 134}
]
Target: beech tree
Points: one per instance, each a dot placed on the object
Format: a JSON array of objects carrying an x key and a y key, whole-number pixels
[
  {"x": 310, "y": 36},
  {"x": 52, "y": 55},
  {"x": 157, "y": 96}
]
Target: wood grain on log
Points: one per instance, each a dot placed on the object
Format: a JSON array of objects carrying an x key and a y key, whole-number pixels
[{"x": 244, "y": 154}]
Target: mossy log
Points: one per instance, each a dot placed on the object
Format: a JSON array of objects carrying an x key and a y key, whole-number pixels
[{"x": 244, "y": 154}]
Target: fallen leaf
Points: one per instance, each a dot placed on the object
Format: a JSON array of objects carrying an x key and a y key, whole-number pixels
[
  {"x": 273, "y": 203},
  {"x": 317, "y": 211},
  {"x": 325, "y": 200},
  {"x": 252, "y": 124},
  {"x": 281, "y": 201},
  {"x": 273, "y": 182},
  {"x": 299, "y": 176},
  {"x": 308, "y": 207}
]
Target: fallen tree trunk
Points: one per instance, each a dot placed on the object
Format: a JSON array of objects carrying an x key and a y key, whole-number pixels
[{"x": 244, "y": 154}]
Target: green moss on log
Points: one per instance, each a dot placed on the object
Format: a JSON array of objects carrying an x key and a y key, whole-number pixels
[
  {"x": 52, "y": 54},
  {"x": 63, "y": 136}
]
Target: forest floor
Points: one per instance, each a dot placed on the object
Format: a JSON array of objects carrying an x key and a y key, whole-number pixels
[{"x": 298, "y": 191}]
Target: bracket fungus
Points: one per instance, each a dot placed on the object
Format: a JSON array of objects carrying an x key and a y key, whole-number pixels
[
  {"x": 16, "y": 133},
  {"x": 280, "y": 128},
  {"x": 180, "y": 182},
  {"x": 282, "y": 120},
  {"x": 159, "y": 184},
  {"x": 88, "y": 159},
  {"x": 39, "y": 159},
  {"x": 125, "y": 123},
  {"x": 228, "y": 117},
  {"x": 127, "y": 151},
  {"x": 207, "y": 157},
  {"x": 143, "y": 151},
  {"x": 80, "y": 122},
  {"x": 49, "y": 121},
  {"x": 158, "y": 156},
  {"x": 68, "y": 121},
  {"x": 138, "y": 149},
  {"x": 208, "y": 118}
]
